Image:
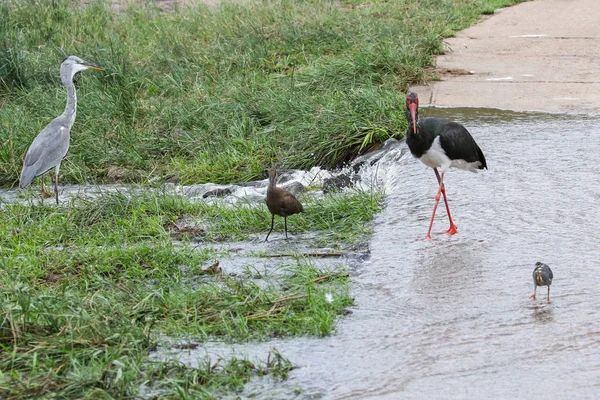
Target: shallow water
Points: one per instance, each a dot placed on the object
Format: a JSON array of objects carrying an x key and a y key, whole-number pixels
[{"x": 452, "y": 318}]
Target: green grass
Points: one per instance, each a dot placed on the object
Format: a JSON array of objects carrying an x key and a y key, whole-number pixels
[
  {"x": 217, "y": 94},
  {"x": 150, "y": 218},
  {"x": 88, "y": 289},
  {"x": 88, "y": 331}
]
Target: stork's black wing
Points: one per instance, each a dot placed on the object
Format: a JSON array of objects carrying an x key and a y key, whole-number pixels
[{"x": 455, "y": 139}]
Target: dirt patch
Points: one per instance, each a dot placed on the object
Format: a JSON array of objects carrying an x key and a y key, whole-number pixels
[{"x": 163, "y": 5}]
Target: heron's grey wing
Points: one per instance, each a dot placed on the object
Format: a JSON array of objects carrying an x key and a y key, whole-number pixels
[{"x": 46, "y": 151}]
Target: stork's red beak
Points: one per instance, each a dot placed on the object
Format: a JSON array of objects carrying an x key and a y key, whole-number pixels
[{"x": 412, "y": 107}]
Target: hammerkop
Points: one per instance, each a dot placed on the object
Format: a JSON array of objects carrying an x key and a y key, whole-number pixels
[{"x": 280, "y": 202}]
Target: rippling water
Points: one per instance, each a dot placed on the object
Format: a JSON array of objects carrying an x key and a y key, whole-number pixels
[{"x": 452, "y": 318}]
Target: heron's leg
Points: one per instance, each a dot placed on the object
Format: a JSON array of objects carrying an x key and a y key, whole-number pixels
[
  {"x": 56, "y": 182},
  {"x": 285, "y": 224},
  {"x": 43, "y": 192},
  {"x": 453, "y": 229},
  {"x": 46, "y": 191},
  {"x": 271, "y": 230}
]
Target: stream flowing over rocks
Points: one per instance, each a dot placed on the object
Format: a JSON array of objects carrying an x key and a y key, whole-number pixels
[{"x": 355, "y": 175}]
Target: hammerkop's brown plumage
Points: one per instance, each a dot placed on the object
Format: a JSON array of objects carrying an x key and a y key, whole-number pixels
[{"x": 280, "y": 202}]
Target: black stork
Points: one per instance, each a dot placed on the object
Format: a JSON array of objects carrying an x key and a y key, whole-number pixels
[{"x": 441, "y": 143}]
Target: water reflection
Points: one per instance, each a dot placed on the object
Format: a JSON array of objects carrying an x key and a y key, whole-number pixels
[{"x": 543, "y": 313}]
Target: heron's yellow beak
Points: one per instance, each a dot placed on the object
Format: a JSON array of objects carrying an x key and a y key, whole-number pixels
[{"x": 92, "y": 66}]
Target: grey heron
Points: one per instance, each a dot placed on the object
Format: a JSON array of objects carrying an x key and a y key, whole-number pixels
[{"x": 50, "y": 146}]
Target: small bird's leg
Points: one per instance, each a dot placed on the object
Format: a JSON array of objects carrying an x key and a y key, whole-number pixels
[
  {"x": 56, "y": 182},
  {"x": 285, "y": 223},
  {"x": 533, "y": 295},
  {"x": 272, "y": 222},
  {"x": 453, "y": 229},
  {"x": 548, "y": 294}
]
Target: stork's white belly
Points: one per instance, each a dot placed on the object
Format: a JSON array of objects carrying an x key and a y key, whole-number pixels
[{"x": 436, "y": 157}]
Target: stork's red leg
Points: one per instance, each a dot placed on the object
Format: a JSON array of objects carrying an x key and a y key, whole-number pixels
[
  {"x": 437, "y": 200},
  {"x": 453, "y": 229}
]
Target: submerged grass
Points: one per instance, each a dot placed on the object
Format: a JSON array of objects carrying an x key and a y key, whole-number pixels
[
  {"x": 87, "y": 289},
  {"x": 146, "y": 217},
  {"x": 217, "y": 94}
]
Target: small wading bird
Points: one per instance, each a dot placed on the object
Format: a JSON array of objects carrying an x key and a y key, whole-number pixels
[
  {"x": 280, "y": 202},
  {"x": 542, "y": 276},
  {"x": 440, "y": 143},
  {"x": 50, "y": 146}
]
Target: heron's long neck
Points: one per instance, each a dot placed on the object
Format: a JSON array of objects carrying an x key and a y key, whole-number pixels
[{"x": 71, "y": 108}]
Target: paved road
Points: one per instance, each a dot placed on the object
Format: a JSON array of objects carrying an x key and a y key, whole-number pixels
[{"x": 542, "y": 55}]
